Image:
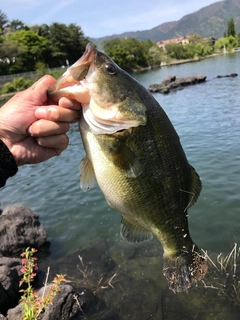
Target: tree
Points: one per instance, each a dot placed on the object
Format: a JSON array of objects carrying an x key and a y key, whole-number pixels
[
  {"x": 16, "y": 25},
  {"x": 176, "y": 51},
  {"x": 129, "y": 53},
  {"x": 118, "y": 53},
  {"x": 66, "y": 43},
  {"x": 10, "y": 51},
  {"x": 3, "y": 21},
  {"x": 195, "y": 38},
  {"x": 231, "y": 28},
  {"x": 238, "y": 39},
  {"x": 155, "y": 56},
  {"x": 228, "y": 43},
  {"x": 32, "y": 49}
]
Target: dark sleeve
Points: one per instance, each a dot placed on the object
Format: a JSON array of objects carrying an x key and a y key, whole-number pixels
[{"x": 8, "y": 166}]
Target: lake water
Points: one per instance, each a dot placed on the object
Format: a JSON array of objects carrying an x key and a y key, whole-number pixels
[{"x": 207, "y": 119}]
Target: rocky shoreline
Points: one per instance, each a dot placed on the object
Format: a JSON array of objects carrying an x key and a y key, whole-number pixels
[
  {"x": 108, "y": 280},
  {"x": 20, "y": 228}
]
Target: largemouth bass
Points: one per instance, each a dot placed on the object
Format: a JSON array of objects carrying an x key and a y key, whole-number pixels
[{"x": 135, "y": 154}]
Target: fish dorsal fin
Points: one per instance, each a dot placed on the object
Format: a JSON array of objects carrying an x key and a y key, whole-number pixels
[
  {"x": 122, "y": 156},
  {"x": 87, "y": 175},
  {"x": 195, "y": 188},
  {"x": 133, "y": 232}
]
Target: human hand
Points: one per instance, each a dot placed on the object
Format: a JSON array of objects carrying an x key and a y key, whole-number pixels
[{"x": 33, "y": 127}]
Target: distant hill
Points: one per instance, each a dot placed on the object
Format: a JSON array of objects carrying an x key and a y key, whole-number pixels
[{"x": 210, "y": 21}]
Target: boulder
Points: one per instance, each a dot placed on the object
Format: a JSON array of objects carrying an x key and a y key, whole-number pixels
[
  {"x": 232, "y": 75},
  {"x": 66, "y": 304},
  {"x": 168, "y": 80},
  {"x": 20, "y": 228},
  {"x": 173, "y": 83},
  {"x": 10, "y": 275}
]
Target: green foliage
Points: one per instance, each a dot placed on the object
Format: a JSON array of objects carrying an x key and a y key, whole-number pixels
[
  {"x": 16, "y": 25},
  {"x": 155, "y": 56},
  {"x": 3, "y": 20},
  {"x": 188, "y": 51},
  {"x": 21, "y": 84},
  {"x": 238, "y": 39},
  {"x": 22, "y": 49},
  {"x": 66, "y": 43},
  {"x": 18, "y": 84},
  {"x": 231, "y": 28},
  {"x": 8, "y": 88},
  {"x": 41, "y": 68},
  {"x": 229, "y": 43},
  {"x": 57, "y": 73},
  {"x": 33, "y": 306},
  {"x": 55, "y": 45},
  {"x": 130, "y": 53}
]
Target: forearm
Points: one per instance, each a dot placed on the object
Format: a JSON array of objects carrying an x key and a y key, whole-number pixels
[{"x": 8, "y": 166}]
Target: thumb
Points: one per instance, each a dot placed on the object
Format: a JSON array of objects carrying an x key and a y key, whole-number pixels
[{"x": 39, "y": 89}]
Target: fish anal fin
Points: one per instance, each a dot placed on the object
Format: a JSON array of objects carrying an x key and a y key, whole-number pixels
[
  {"x": 87, "y": 175},
  {"x": 133, "y": 232}
]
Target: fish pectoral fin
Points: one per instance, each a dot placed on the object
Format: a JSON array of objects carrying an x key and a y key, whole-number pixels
[
  {"x": 128, "y": 161},
  {"x": 87, "y": 175},
  {"x": 133, "y": 232},
  {"x": 196, "y": 187},
  {"x": 122, "y": 157}
]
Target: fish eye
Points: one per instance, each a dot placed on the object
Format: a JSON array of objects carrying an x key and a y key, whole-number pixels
[{"x": 110, "y": 68}]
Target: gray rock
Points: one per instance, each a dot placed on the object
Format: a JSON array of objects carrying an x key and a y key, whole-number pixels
[
  {"x": 10, "y": 276},
  {"x": 168, "y": 80},
  {"x": 66, "y": 305},
  {"x": 232, "y": 75},
  {"x": 15, "y": 313},
  {"x": 20, "y": 228},
  {"x": 173, "y": 83}
]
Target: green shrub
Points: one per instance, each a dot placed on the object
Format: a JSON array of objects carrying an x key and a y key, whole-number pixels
[{"x": 8, "y": 88}]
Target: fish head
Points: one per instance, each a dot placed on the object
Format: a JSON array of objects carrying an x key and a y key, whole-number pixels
[{"x": 109, "y": 95}]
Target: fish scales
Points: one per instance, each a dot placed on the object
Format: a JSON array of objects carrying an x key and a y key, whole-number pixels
[{"x": 135, "y": 154}]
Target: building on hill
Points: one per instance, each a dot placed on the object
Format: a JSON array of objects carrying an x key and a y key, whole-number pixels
[{"x": 182, "y": 40}]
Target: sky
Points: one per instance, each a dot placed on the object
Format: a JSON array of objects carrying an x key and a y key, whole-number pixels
[{"x": 100, "y": 18}]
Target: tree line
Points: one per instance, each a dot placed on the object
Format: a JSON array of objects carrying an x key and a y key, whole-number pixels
[
  {"x": 24, "y": 48},
  {"x": 40, "y": 47}
]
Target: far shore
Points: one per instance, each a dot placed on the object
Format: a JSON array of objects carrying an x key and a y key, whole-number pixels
[{"x": 172, "y": 62}]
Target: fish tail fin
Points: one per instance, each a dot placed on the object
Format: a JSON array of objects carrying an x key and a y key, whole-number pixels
[{"x": 185, "y": 269}]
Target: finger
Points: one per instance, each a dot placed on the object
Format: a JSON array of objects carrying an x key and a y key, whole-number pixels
[
  {"x": 46, "y": 81},
  {"x": 39, "y": 89},
  {"x": 56, "y": 113},
  {"x": 44, "y": 128},
  {"x": 69, "y": 104},
  {"x": 58, "y": 142}
]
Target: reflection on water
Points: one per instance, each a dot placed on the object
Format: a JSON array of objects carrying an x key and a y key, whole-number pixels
[{"x": 207, "y": 119}]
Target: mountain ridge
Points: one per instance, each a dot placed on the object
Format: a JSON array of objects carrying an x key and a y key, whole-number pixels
[{"x": 209, "y": 21}]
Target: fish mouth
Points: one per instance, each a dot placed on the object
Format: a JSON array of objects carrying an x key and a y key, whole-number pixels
[
  {"x": 71, "y": 83},
  {"x": 79, "y": 82}
]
